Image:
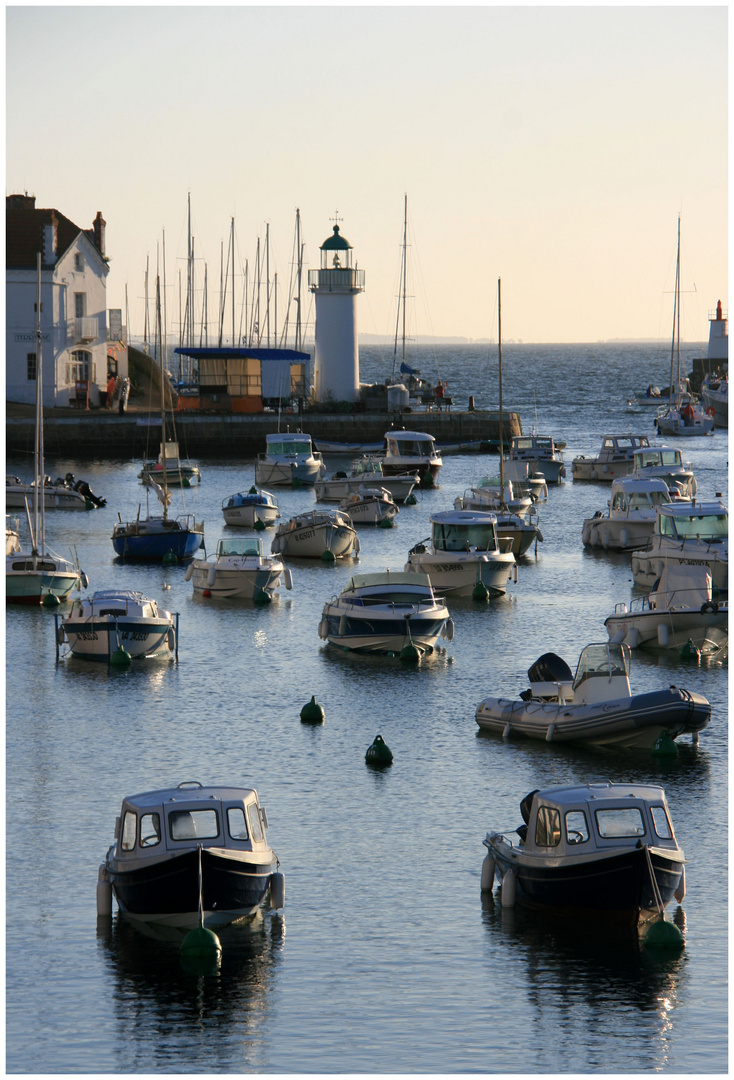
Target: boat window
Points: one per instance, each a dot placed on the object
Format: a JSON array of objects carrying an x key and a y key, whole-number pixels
[
  {"x": 548, "y": 827},
  {"x": 464, "y": 537},
  {"x": 236, "y": 823},
  {"x": 238, "y": 547},
  {"x": 129, "y": 825},
  {"x": 620, "y": 822},
  {"x": 150, "y": 830},
  {"x": 707, "y": 526},
  {"x": 619, "y": 501},
  {"x": 34, "y": 564},
  {"x": 255, "y": 826},
  {"x": 288, "y": 446},
  {"x": 661, "y": 822},
  {"x": 577, "y": 829},
  {"x": 671, "y": 457},
  {"x": 193, "y": 824},
  {"x": 604, "y": 660},
  {"x": 410, "y": 448}
]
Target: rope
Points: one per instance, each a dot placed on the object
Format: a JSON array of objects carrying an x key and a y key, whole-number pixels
[{"x": 653, "y": 881}]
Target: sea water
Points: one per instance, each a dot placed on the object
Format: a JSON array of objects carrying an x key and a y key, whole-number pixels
[{"x": 386, "y": 957}]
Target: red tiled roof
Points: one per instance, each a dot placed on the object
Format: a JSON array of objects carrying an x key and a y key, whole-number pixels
[{"x": 24, "y": 234}]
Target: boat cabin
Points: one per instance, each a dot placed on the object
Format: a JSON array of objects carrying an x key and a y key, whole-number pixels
[
  {"x": 115, "y": 602},
  {"x": 410, "y": 444},
  {"x": 367, "y": 466},
  {"x": 637, "y": 496},
  {"x": 621, "y": 447},
  {"x": 655, "y": 457},
  {"x": 690, "y": 521},
  {"x": 290, "y": 446},
  {"x": 466, "y": 530},
  {"x": 239, "y": 548},
  {"x": 532, "y": 447}
]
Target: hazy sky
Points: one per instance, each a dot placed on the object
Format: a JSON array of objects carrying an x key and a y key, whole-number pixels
[{"x": 553, "y": 147}]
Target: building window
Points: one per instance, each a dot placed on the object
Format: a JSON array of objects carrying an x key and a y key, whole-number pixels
[
  {"x": 80, "y": 304},
  {"x": 80, "y": 368},
  {"x": 31, "y": 360},
  {"x": 78, "y": 262}
]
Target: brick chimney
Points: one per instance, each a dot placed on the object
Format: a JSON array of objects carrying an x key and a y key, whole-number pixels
[
  {"x": 99, "y": 227},
  {"x": 50, "y": 239}
]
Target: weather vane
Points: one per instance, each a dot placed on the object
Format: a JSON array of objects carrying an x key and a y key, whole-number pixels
[{"x": 336, "y": 217}]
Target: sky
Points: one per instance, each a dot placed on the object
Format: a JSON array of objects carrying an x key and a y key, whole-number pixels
[{"x": 551, "y": 147}]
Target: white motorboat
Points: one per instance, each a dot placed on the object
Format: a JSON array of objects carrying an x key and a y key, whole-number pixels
[
  {"x": 596, "y": 706},
  {"x": 238, "y": 569},
  {"x": 605, "y": 850},
  {"x": 665, "y": 463},
  {"x": 369, "y": 506},
  {"x": 289, "y": 460},
  {"x": 386, "y": 612},
  {"x": 366, "y": 472},
  {"x": 541, "y": 454},
  {"x": 493, "y": 497},
  {"x": 715, "y": 398},
  {"x": 412, "y": 452},
  {"x": 615, "y": 459},
  {"x": 688, "y": 533},
  {"x": 63, "y": 493},
  {"x": 187, "y": 852},
  {"x": 170, "y": 467},
  {"x": 111, "y": 620},
  {"x": 317, "y": 534},
  {"x": 252, "y": 509},
  {"x": 680, "y": 609},
  {"x": 630, "y": 518},
  {"x": 465, "y": 555}
]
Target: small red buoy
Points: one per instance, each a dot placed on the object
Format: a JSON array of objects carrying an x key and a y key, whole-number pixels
[{"x": 205, "y": 592}]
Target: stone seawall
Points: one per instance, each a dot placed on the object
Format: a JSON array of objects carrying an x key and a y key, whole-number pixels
[{"x": 109, "y": 435}]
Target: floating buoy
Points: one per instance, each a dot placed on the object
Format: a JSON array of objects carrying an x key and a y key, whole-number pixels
[
  {"x": 169, "y": 559},
  {"x": 50, "y": 600},
  {"x": 386, "y": 523},
  {"x": 296, "y": 483},
  {"x": 205, "y": 592},
  {"x": 410, "y": 501},
  {"x": 277, "y": 890},
  {"x": 427, "y": 480},
  {"x": 487, "y": 877},
  {"x": 410, "y": 653},
  {"x": 480, "y": 591},
  {"x": 663, "y": 935},
  {"x": 201, "y": 944},
  {"x": 252, "y": 491},
  {"x": 312, "y": 712},
  {"x": 379, "y": 753},
  {"x": 328, "y": 556},
  {"x": 507, "y": 892},
  {"x": 262, "y": 597},
  {"x": 689, "y": 651},
  {"x": 665, "y": 746},
  {"x": 259, "y": 525},
  {"x": 120, "y": 657},
  {"x": 104, "y": 893}
]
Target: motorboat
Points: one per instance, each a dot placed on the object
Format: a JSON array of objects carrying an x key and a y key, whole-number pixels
[
  {"x": 715, "y": 398},
  {"x": 169, "y": 466},
  {"x": 63, "y": 493},
  {"x": 238, "y": 569},
  {"x": 689, "y": 533},
  {"x": 541, "y": 453},
  {"x": 190, "y": 853},
  {"x": 464, "y": 553},
  {"x": 112, "y": 619},
  {"x": 12, "y": 535},
  {"x": 316, "y": 534},
  {"x": 630, "y": 517},
  {"x": 366, "y": 471},
  {"x": 665, "y": 463},
  {"x": 248, "y": 508},
  {"x": 411, "y": 452},
  {"x": 524, "y": 482},
  {"x": 680, "y": 609},
  {"x": 369, "y": 506},
  {"x": 600, "y": 849},
  {"x": 386, "y": 612},
  {"x": 494, "y": 497},
  {"x": 615, "y": 459},
  {"x": 289, "y": 461},
  {"x": 596, "y": 706}
]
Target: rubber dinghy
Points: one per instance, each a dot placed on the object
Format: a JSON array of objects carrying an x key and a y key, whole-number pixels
[{"x": 596, "y": 706}]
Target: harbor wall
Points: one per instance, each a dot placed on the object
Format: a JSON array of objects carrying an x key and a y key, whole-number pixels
[{"x": 110, "y": 435}]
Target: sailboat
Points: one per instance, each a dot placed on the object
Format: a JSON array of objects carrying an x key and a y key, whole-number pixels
[
  {"x": 34, "y": 574},
  {"x": 678, "y": 418},
  {"x": 408, "y": 378},
  {"x": 159, "y": 537}
]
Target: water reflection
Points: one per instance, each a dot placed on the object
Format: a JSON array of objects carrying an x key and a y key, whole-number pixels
[{"x": 174, "y": 1019}]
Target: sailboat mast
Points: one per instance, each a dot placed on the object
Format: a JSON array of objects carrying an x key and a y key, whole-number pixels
[
  {"x": 39, "y": 468},
  {"x": 499, "y": 349},
  {"x": 676, "y": 320},
  {"x": 159, "y": 339},
  {"x": 405, "y": 265},
  {"x": 401, "y": 298}
]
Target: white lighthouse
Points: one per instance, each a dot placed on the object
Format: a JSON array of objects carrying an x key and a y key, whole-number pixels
[{"x": 336, "y": 286}]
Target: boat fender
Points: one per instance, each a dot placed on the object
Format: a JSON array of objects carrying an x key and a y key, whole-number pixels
[
  {"x": 585, "y": 535},
  {"x": 663, "y": 636},
  {"x": 357, "y": 543},
  {"x": 324, "y": 629},
  {"x": 487, "y": 877},
  {"x": 508, "y": 890},
  {"x": 538, "y": 534},
  {"x": 104, "y": 893},
  {"x": 342, "y": 626},
  {"x": 594, "y": 538},
  {"x": 84, "y": 580},
  {"x": 709, "y": 608},
  {"x": 277, "y": 890},
  {"x": 211, "y": 576},
  {"x": 60, "y": 635},
  {"x": 680, "y": 892},
  {"x": 632, "y": 637},
  {"x": 606, "y": 538},
  {"x": 189, "y": 572},
  {"x": 449, "y": 629},
  {"x": 514, "y": 572},
  {"x": 623, "y": 538},
  {"x": 287, "y": 578},
  {"x": 507, "y": 731},
  {"x": 171, "y": 638},
  {"x": 550, "y": 732},
  {"x": 618, "y": 637}
]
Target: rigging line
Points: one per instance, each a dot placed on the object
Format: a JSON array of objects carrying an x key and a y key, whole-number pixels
[{"x": 424, "y": 295}]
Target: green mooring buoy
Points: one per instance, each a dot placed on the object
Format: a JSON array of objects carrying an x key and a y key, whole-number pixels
[
  {"x": 379, "y": 753},
  {"x": 480, "y": 591},
  {"x": 261, "y": 597},
  {"x": 663, "y": 934},
  {"x": 50, "y": 600},
  {"x": 328, "y": 556},
  {"x": 689, "y": 651},
  {"x": 312, "y": 712},
  {"x": 169, "y": 559},
  {"x": 386, "y": 523},
  {"x": 427, "y": 480},
  {"x": 201, "y": 949},
  {"x": 665, "y": 746},
  {"x": 120, "y": 657},
  {"x": 411, "y": 500},
  {"x": 259, "y": 525},
  {"x": 296, "y": 482},
  {"x": 410, "y": 653},
  {"x": 252, "y": 491}
]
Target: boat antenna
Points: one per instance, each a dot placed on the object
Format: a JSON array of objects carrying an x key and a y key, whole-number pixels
[
  {"x": 403, "y": 268},
  {"x": 39, "y": 493}
]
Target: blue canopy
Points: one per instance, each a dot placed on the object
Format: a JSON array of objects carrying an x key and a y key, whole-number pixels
[{"x": 406, "y": 369}]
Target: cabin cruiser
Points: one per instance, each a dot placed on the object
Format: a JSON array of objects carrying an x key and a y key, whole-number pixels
[
  {"x": 715, "y": 398},
  {"x": 288, "y": 460},
  {"x": 687, "y": 533},
  {"x": 252, "y": 509},
  {"x": 596, "y": 706},
  {"x": 465, "y": 553},
  {"x": 366, "y": 472},
  {"x": 191, "y": 852},
  {"x": 170, "y": 468},
  {"x": 494, "y": 497},
  {"x": 386, "y": 612},
  {"x": 630, "y": 517},
  {"x": 112, "y": 619},
  {"x": 665, "y": 463},
  {"x": 32, "y": 574},
  {"x": 683, "y": 419},
  {"x": 317, "y": 534},
  {"x": 411, "y": 452},
  {"x": 541, "y": 454},
  {"x": 369, "y": 506},
  {"x": 239, "y": 569},
  {"x": 680, "y": 609},
  {"x": 63, "y": 493},
  {"x": 521, "y": 527},
  {"x": 615, "y": 458},
  {"x": 601, "y": 849}
]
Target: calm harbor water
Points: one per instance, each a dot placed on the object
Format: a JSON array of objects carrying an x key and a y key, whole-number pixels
[{"x": 386, "y": 958}]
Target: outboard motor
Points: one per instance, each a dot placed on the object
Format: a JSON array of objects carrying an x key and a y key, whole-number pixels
[
  {"x": 550, "y": 668},
  {"x": 84, "y": 489}
]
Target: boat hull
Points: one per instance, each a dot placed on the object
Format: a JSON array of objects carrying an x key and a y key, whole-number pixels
[
  {"x": 422, "y": 468},
  {"x": 399, "y": 487},
  {"x": 17, "y": 495},
  {"x": 283, "y": 474},
  {"x": 32, "y": 588},
  {"x": 458, "y": 577},
  {"x": 371, "y": 512},
  {"x": 602, "y": 472},
  {"x": 628, "y": 723},
  {"x": 147, "y": 541},
  {"x": 617, "y": 534},
  {"x": 640, "y": 629},
  {"x": 719, "y": 403},
  {"x": 311, "y": 541},
  {"x": 98, "y": 638},
  {"x": 227, "y": 582},
  {"x": 246, "y": 516},
  {"x": 647, "y": 565},
  {"x": 373, "y": 634},
  {"x": 181, "y": 476}
]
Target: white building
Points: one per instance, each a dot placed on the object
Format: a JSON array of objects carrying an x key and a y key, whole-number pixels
[
  {"x": 73, "y": 305},
  {"x": 336, "y": 286}
]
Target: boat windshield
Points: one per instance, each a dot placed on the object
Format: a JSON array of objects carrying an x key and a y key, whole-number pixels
[
  {"x": 366, "y": 465},
  {"x": 690, "y": 526},
  {"x": 606, "y": 660},
  {"x": 447, "y": 537},
  {"x": 643, "y": 500},
  {"x": 410, "y": 447},
  {"x": 288, "y": 448},
  {"x": 239, "y": 547},
  {"x": 646, "y": 458}
]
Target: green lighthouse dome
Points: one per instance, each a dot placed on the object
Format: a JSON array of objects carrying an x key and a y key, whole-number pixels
[{"x": 336, "y": 242}]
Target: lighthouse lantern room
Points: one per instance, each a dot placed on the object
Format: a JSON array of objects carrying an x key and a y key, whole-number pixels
[{"x": 336, "y": 285}]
